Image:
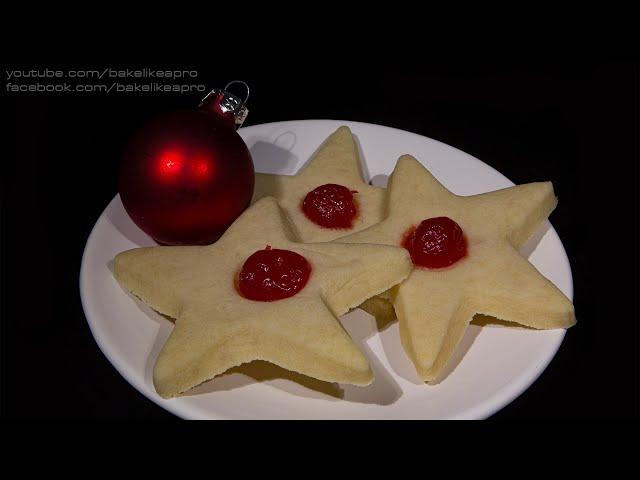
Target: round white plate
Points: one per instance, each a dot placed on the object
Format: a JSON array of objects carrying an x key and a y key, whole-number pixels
[{"x": 491, "y": 367}]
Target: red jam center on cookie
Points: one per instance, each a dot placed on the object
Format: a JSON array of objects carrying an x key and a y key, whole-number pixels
[
  {"x": 436, "y": 243},
  {"x": 331, "y": 206},
  {"x": 273, "y": 274}
]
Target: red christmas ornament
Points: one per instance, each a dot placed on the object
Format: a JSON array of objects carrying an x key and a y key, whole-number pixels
[{"x": 187, "y": 175}]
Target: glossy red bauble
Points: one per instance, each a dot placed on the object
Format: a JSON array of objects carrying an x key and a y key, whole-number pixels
[{"x": 185, "y": 177}]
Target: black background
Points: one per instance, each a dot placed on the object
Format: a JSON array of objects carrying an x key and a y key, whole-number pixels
[{"x": 574, "y": 123}]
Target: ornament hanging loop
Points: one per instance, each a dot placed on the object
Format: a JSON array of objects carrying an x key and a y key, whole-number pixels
[
  {"x": 239, "y": 82},
  {"x": 226, "y": 104}
]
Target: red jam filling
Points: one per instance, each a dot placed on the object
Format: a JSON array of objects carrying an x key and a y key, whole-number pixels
[
  {"x": 436, "y": 243},
  {"x": 330, "y": 206},
  {"x": 273, "y": 274}
]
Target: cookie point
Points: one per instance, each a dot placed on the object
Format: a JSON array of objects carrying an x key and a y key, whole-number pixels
[
  {"x": 343, "y": 129},
  {"x": 408, "y": 159}
]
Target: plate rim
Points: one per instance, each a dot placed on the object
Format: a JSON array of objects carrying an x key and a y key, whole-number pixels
[{"x": 482, "y": 410}]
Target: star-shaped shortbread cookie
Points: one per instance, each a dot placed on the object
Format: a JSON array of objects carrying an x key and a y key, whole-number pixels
[
  {"x": 435, "y": 306},
  {"x": 216, "y": 328},
  {"x": 336, "y": 162}
]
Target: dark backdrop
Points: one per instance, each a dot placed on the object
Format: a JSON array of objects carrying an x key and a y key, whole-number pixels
[{"x": 573, "y": 123}]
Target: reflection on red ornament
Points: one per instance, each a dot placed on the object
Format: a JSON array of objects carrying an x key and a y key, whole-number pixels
[
  {"x": 170, "y": 163},
  {"x": 202, "y": 167}
]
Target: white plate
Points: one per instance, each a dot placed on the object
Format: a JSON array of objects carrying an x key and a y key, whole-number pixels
[{"x": 491, "y": 367}]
